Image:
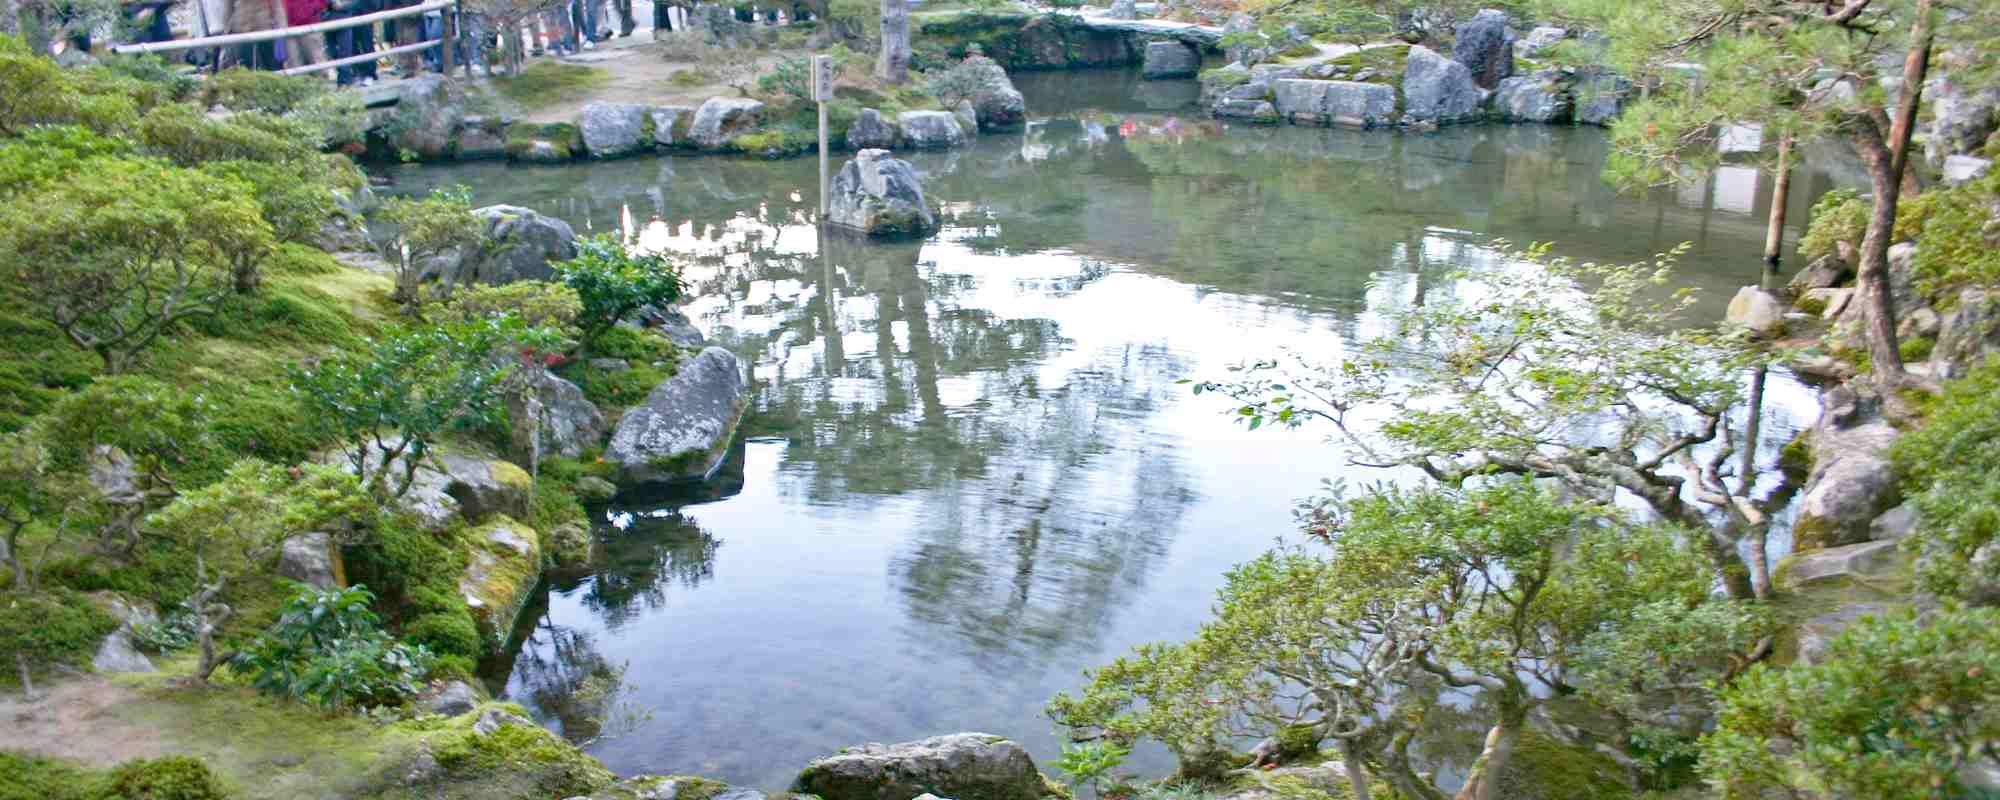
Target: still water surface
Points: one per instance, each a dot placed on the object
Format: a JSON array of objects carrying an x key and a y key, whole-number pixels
[{"x": 969, "y": 473}]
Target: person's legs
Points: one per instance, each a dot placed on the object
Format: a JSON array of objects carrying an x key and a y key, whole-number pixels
[{"x": 626, "y": 22}]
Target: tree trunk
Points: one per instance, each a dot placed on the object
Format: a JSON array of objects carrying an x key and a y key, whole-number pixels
[
  {"x": 1482, "y": 781},
  {"x": 1872, "y": 276},
  {"x": 893, "y": 67},
  {"x": 1357, "y": 777},
  {"x": 1774, "y": 233}
]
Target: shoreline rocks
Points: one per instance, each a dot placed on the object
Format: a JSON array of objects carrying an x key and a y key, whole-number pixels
[
  {"x": 965, "y": 766},
  {"x": 682, "y": 431}
]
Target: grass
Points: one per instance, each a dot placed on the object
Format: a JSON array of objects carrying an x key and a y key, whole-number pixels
[{"x": 544, "y": 83}]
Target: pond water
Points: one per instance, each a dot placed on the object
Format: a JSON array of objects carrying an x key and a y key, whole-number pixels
[{"x": 969, "y": 473}]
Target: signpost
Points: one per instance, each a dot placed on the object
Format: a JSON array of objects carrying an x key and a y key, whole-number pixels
[{"x": 822, "y": 93}]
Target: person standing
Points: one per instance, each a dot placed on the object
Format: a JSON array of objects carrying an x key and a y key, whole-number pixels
[
  {"x": 352, "y": 41},
  {"x": 307, "y": 48},
  {"x": 248, "y": 16},
  {"x": 626, "y": 22}
]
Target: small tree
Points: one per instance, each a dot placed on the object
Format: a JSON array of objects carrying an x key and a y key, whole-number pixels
[
  {"x": 129, "y": 433},
  {"x": 329, "y": 649},
  {"x": 1522, "y": 371},
  {"x": 612, "y": 282},
  {"x": 36, "y": 506},
  {"x": 119, "y": 251},
  {"x": 388, "y": 403},
  {"x": 428, "y": 229},
  {"x": 231, "y": 527},
  {"x": 1900, "y": 708}
]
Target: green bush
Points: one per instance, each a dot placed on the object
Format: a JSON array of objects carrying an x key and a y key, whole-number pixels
[
  {"x": 612, "y": 281},
  {"x": 328, "y": 649},
  {"x": 30, "y": 777},
  {"x": 414, "y": 574},
  {"x": 256, "y": 90},
  {"x": 1951, "y": 469},
  {"x": 537, "y": 304},
  {"x": 164, "y": 778},
  {"x": 57, "y": 628}
]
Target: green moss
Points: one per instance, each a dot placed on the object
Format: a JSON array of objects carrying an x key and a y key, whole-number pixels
[
  {"x": 1797, "y": 456},
  {"x": 778, "y": 143},
  {"x": 414, "y": 574},
  {"x": 1916, "y": 348},
  {"x": 59, "y": 628},
  {"x": 695, "y": 788},
  {"x": 1545, "y": 769},
  {"x": 521, "y": 756},
  {"x": 691, "y": 77},
  {"x": 165, "y": 778},
  {"x": 1389, "y": 63},
  {"x": 1811, "y": 304},
  {"x": 27, "y": 777},
  {"x": 545, "y": 82},
  {"x": 554, "y": 142}
]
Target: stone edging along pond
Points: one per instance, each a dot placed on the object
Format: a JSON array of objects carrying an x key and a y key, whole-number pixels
[{"x": 1373, "y": 86}]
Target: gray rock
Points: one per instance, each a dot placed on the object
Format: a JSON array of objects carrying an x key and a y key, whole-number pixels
[
  {"x": 1485, "y": 45},
  {"x": 1758, "y": 311},
  {"x": 1361, "y": 105},
  {"x": 683, "y": 429},
  {"x": 457, "y": 697},
  {"x": 1223, "y": 79},
  {"x": 1165, "y": 60},
  {"x": 450, "y": 487},
  {"x": 1438, "y": 89},
  {"x": 1599, "y": 96},
  {"x": 998, "y": 104},
  {"x": 114, "y": 475},
  {"x": 1894, "y": 525},
  {"x": 930, "y": 130},
  {"x": 610, "y": 364},
  {"x": 1539, "y": 41},
  {"x": 974, "y": 765},
  {"x": 1964, "y": 114},
  {"x": 1968, "y": 333},
  {"x": 494, "y": 719},
  {"x": 1852, "y": 482},
  {"x": 612, "y": 130},
  {"x": 968, "y": 118},
  {"x": 1965, "y": 169},
  {"x": 1834, "y": 300},
  {"x": 116, "y": 653},
  {"x": 670, "y": 125},
  {"x": 1825, "y": 272},
  {"x": 1261, "y": 111},
  {"x": 871, "y": 132},
  {"x": 722, "y": 118},
  {"x": 1817, "y": 632},
  {"x": 550, "y": 417},
  {"x": 1542, "y": 97},
  {"x": 312, "y": 559},
  {"x": 1982, "y": 586},
  {"x": 1123, "y": 9},
  {"x": 1854, "y": 562},
  {"x": 879, "y": 196},
  {"x": 678, "y": 328},
  {"x": 1924, "y": 321},
  {"x": 427, "y": 117},
  {"x": 482, "y": 137},
  {"x": 517, "y": 244}
]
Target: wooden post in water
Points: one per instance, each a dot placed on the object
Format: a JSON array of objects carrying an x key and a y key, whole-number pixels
[
  {"x": 1774, "y": 235},
  {"x": 823, "y": 93}
]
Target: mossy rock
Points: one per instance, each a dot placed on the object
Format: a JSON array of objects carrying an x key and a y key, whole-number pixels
[
  {"x": 517, "y": 759},
  {"x": 1543, "y": 768},
  {"x": 503, "y": 562},
  {"x": 551, "y": 143}
]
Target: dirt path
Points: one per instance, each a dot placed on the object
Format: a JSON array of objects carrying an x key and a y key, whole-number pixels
[
  {"x": 635, "y": 72},
  {"x": 76, "y": 720}
]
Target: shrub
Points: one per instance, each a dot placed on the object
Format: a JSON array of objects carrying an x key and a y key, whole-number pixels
[
  {"x": 790, "y": 79},
  {"x": 538, "y": 304},
  {"x": 612, "y": 281},
  {"x": 328, "y": 649},
  {"x": 1951, "y": 466},
  {"x": 255, "y": 90},
  {"x": 30, "y": 777},
  {"x": 164, "y": 778},
  {"x": 426, "y": 228},
  {"x": 49, "y": 629}
]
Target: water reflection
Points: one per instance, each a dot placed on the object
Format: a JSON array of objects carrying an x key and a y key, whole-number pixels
[{"x": 969, "y": 471}]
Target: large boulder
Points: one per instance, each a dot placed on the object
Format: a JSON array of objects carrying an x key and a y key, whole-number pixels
[
  {"x": 1862, "y": 563},
  {"x": 611, "y": 130},
  {"x": 1541, "y": 97},
  {"x": 964, "y": 766},
  {"x": 1485, "y": 45},
  {"x": 427, "y": 118},
  {"x": 1968, "y": 333},
  {"x": 1826, "y": 272},
  {"x": 482, "y": 137},
  {"x": 1437, "y": 89},
  {"x": 516, "y": 244},
  {"x": 1959, "y": 170},
  {"x": 720, "y": 119},
  {"x": 503, "y": 562},
  {"x": 1310, "y": 102},
  {"x": 1599, "y": 96},
  {"x": 449, "y": 487},
  {"x": 117, "y": 653},
  {"x": 1758, "y": 311},
  {"x": 551, "y": 417},
  {"x": 1817, "y": 632},
  {"x": 1852, "y": 482},
  {"x": 450, "y": 700},
  {"x": 997, "y": 103},
  {"x": 1165, "y": 60},
  {"x": 1539, "y": 41},
  {"x": 1964, "y": 116},
  {"x": 871, "y": 131},
  {"x": 312, "y": 559},
  {"x": 683, "y": 429},
  {"x": 879, "y": 196},
  {"x": 930, "y": 130},
  {"x": 670, "y": 125}
]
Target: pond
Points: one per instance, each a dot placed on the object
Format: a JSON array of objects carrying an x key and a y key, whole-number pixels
[{"x": 970, "y": 472}]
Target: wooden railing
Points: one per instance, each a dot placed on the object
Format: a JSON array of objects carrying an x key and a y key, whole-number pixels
[{"x": 253, "y": 37}]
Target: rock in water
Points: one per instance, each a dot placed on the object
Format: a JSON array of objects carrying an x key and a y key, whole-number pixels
[
  {"x": 682, "y": 431},
  {"x": 1169, "y": 60},
  {"x": 1438, "y": 89},
  {"x": 1485, "y": 45},
  {"x": 967, "y": 766},
  {"x": 611, "y": 130},
  {"x": 1309, "y": 102},
  {"x": 1599, "y": 96},
  {"x": 871, "y": 131},
  {"x": 670, "y": 125},
  {"x": 517, "y": 244},
  {"x": 1537, "y": 98},
  {"x": 721, "y": 118},
  {"x": 1758, "y": 311},
  {"x": 1851, "y": 484},
  {"x": 998, "y": 105},
  {"x": 930, "y": 130},
  {"x": 879, "y": 196}
]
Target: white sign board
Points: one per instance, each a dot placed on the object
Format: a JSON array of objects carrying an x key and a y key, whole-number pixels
[{"x": 823, "y": 79}]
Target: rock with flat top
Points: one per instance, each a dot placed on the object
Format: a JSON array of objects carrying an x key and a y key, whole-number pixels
[
  {"x": 879, "y": 196},
  {"x": 968, "y": 766}
]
